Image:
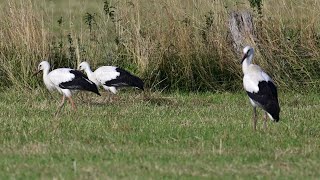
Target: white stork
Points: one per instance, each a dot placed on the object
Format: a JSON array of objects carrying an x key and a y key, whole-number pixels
[
  {"x": 260, "y": 88},
  {"x": 111, "y": 78},
  {"x": 65, "y": 80}
]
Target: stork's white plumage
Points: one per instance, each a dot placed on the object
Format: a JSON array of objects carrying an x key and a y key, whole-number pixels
[
  {"x": 111, "y": 78},
  {"x": 260, "y": 88},
  {"x": 65, "y": 80}
]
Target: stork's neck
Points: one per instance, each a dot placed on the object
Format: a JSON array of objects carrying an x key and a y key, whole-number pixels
[
  {"x": 91, "y": 75},
  {"x": 45, "y": 73},
  {"x": 88, "y": 71},
  {"x": 245, "y": 64}
]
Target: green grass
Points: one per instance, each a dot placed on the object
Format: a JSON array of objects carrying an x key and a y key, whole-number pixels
[{"x": 156, "y": 136}]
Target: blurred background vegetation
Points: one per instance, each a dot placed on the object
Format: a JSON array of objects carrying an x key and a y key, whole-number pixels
[{"x": 180, "y": 45}]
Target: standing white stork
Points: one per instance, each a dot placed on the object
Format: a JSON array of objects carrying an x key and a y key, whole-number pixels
[
  {"x": 65, "y": 80},
  {"x": 111, "y": 78},
  {"x": 260, "y": 88}
]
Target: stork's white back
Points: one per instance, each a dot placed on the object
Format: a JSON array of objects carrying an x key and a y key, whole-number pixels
[
  {"x": 106, "y": 73},
  {"x": 60, "y": 75},
  {"x": 252, "y": 77}
]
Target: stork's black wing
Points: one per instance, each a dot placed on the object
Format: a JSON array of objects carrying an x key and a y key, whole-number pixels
[
  {"x": 79, "y": 82},
  {"x": 125, "y": 79},
  {"x": 267, "y": 97}
]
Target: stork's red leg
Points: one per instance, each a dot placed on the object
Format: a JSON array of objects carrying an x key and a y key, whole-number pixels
[
  {"x": 62, "y": 102},
  {"x": 72, "y": 103},
  {"x": 254, "y": 118},
  {"x": 110, "y": 96},
  {"x": 60, "y": 105},
  {"x": 265, "y": 121}
]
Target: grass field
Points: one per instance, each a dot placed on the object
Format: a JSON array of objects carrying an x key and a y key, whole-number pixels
[
  {"x": 143, "y": 136},
  {"x": 175, "y": 46}
]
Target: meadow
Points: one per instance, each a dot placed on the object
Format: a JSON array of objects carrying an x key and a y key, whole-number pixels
[
  {"x": 153, "y": 135},
  {"x": 193, "y": 121}
]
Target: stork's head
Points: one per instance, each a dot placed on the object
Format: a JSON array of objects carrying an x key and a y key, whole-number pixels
[
  {"x": 247, "y": 54},
  {"x": 43, "y": 66},
  {"x": 84, "y": 66}
]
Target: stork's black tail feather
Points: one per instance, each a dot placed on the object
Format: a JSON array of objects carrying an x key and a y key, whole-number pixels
[
  {"x": 125, "y": 79},
  {"x": 80, "y": 82},
  {"x": 136, "y": 82},
  {"x": 274, "y": 110},
  {"x": 267, "y": 98}
]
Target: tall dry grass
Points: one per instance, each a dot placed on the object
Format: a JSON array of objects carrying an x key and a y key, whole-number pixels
[
  {"x": 23, "y": 42},
  {"x": 173, "y": 45}
]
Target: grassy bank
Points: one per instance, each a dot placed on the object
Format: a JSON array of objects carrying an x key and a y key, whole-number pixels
[
  {"x": 173, "y": 45},
  {"x": 153, "y": 136}
]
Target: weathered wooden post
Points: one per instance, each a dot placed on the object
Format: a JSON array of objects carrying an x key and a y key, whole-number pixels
[{"x": 241, "y": 29}]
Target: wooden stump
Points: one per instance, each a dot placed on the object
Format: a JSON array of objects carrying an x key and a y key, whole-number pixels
[{"x": 241, "y": 29}]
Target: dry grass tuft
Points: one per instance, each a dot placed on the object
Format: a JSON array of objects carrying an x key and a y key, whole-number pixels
[{"x": 179, "y": 44}]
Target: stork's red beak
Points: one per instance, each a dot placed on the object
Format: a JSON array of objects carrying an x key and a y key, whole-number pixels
[
  {"x": 35, "y": 73},
  {"x": 244, "y": 57}
]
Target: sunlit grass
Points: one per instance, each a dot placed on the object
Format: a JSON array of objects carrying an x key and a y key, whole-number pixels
[{"x": 156, "y": 136}]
